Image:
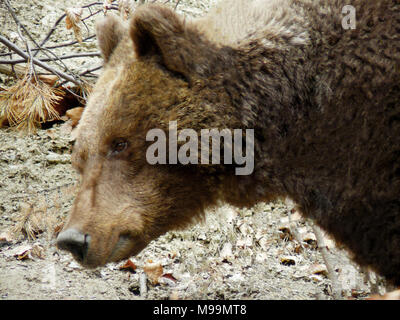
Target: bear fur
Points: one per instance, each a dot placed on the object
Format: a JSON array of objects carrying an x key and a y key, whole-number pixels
[{"x": 324, "y": 103}]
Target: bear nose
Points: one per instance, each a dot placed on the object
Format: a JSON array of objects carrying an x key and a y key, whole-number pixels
[{"x": 75, "y": 242}]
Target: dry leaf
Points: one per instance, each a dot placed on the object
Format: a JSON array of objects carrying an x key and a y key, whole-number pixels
[
  {"x": 73, "y": 17},
  {"x": 169, "y": 276},
  {"x": 58, "y": 228},
  {"x": 37, "y": 251},
  {"x": 298, "y": 248},
  {"x": 19, "y": 251},
  {"x": 75, "y": 115},
  {"x": 285, "y": 234},
  {"x": 319, "y": 269},
  {"x": 168, "y": 279},
  {"x": 72, "y": 20},
  {"x": 24, "y": 255},
  {"x": 50, "y": 80},
  {"x": 309, "y": 239},
  {"x": 288, "y": 260},
  {"x": 316, "y": 278},
  {"x": 128, "y": 266},
  {"x": 153, "y": 271}
]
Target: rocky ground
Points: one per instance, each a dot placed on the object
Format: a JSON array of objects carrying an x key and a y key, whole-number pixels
[{"x": 235, "y": 254}]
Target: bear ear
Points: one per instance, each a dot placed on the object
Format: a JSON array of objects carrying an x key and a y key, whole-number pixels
[
  {"x": 109, "y": 30},
  {"x": 158, "y": 30}
]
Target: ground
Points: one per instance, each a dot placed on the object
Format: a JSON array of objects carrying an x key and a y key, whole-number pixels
[{"x": 234, "y": 254}]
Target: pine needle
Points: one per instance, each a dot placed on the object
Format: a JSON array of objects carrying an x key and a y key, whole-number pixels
[
  {"x": 29, "y": 103},
  {"x": 30, "y": 222}
]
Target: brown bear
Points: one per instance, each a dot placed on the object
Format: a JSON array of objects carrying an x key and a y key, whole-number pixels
[{"x": 319, "y": 87}]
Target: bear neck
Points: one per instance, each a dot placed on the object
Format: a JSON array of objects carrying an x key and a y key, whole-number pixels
[{"x": 269, "y": 89}]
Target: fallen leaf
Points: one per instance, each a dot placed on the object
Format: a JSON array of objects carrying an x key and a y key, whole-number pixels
[
  {"x": 357, "y": 293},
  {"x": 288, "y": 260},
  {"x": 169, "y": 276},
  {"x": 24, "y": 252},
  {"x": 37, "y": 251},
  {"x": 73, "y": 16},
  {"x": 75, "y": 115},
  {"x": 18, "y": 251},
  {"x": 23, "y": 256},
  {"x": 316, "y": 278},
  {"x": 49, "y": 79},
  {"x": 319, "y": 269},
  {"x": 285, "y": 233},
  {"x": 153, "y": 271},
  {"x": 58, "y": 228},
  {"x": 72, "y": 20},
  {"x": 128, "y": 266},
  {"x": 310, "y": 239},
  {"x": 298, "y": 248}
]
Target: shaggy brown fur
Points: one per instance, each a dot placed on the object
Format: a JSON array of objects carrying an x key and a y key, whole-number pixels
[{"x": 324, "y": 103}]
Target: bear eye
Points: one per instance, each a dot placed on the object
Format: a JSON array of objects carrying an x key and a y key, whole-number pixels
[{"x": 118, "y": 146}]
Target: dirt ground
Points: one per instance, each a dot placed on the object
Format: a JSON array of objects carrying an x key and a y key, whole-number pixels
[{"x": 235, "y": 254}]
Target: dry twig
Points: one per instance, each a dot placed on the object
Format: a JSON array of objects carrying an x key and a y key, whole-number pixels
[
  {"x": 45, "y": 66},
  {"x": 336, "y": 286}
]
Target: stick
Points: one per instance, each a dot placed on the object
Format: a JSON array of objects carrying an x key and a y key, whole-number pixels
[
  {"x": 177, "y": 3},
  {"x": 37, "y": 62},
  {"x": 336, "y": 287},
  {"x": 65, "y": 44},
  {"x": 77, "y": 55}
]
